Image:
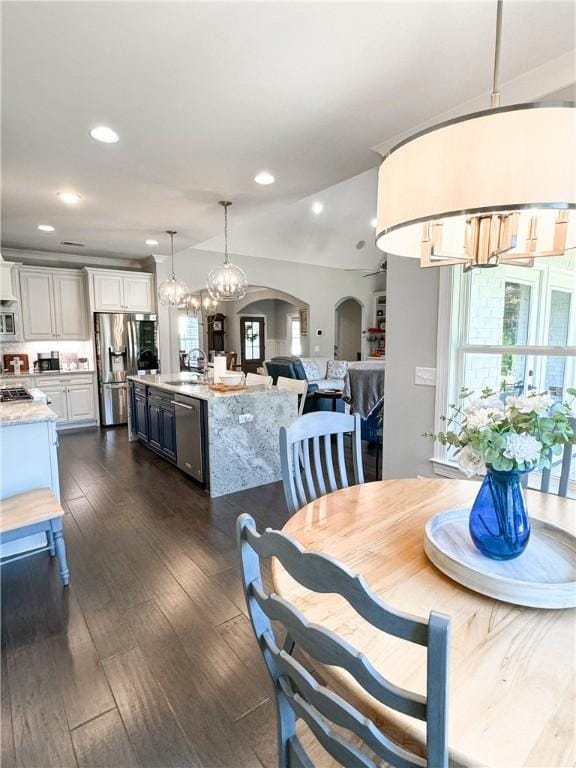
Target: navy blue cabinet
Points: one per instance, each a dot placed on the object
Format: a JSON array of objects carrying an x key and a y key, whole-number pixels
[{"x": 153, "y": 419}]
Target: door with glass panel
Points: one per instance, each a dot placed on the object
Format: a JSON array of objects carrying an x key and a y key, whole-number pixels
[{"x": 252, "y": 335}]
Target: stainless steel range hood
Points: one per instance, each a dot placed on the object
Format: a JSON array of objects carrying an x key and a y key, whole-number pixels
[{"x": 7, "y": 295}]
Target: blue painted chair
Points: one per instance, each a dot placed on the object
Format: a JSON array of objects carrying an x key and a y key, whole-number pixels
[
  {"x": 301, "y": 697},
  {"x": 33, "y": 512},
  {"x": 301, "y": 454}
]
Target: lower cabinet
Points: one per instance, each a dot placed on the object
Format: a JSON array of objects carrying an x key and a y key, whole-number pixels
[
  {"x": 154, "y": 421},
  {"x": 72, "y": 400}
]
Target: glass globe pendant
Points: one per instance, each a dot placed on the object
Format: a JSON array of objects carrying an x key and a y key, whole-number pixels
[
  {"x": 227, "y": 282},
  {"x": 172, "y": 292}
]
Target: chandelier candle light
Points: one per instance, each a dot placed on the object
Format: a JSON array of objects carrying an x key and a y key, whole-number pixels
[
  {"x": 171, "y": 292},
  {"x": 492, "y": 187},
  {"x": 227, "y": 282}
]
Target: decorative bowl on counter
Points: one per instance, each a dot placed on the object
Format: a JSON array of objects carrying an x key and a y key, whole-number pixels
[{"x": 231, "y": 378}]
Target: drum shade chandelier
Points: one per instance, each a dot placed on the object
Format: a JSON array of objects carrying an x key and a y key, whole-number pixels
[
  {"x": 492, "y": 187},
  {"x": 227, "y": 282},
  {"x": 171, "y": 292}
]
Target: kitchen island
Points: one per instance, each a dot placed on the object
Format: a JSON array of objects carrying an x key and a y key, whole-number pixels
[
  {"x": 28, "y": 457},
  {"x": 228, "y": 441}
]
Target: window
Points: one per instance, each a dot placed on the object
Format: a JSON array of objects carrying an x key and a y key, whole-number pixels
[
  {"x": 295, "y": 339},
  {"x": 512, "y": 329},
  {"x": 189, "y": 331}
]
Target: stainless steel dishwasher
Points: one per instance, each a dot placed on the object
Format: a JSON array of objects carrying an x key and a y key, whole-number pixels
[{"x": 190, "y": 436}]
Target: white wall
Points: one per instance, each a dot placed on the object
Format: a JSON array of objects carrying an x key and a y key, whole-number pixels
[
  {"x": 411, "y": 328},
  {"x": 319, "y": 287}
]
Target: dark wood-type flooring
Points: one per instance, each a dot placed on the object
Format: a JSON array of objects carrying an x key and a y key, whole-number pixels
[{"x": 148, "y": 658}]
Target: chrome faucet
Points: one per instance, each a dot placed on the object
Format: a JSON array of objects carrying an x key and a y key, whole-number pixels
[{"x": 201, "y": 366}]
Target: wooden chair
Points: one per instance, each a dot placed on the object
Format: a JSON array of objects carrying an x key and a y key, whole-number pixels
[
  {"x": 296, "y": 385},
  {"x": 300, "y": 453},
  {"x": 254, "y": 379},
  {"x": 34, "y": 512},
  {"x": 231, "y": 360},
  {"x": 301, "y": 698}
]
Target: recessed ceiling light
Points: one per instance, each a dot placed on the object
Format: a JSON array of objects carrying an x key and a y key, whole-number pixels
[
  {"x": 151, "y": 242},
  {"x": 374, "y": 223},
  {"x": 317, "y": 207},
  {"x": 46, "y": 227},
  {"x": 104, "y": 134},
  {"x": 70, "y": 198},
  {"x": 264, "y": 178}
]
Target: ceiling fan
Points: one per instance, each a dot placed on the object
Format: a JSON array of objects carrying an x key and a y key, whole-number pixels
[{"x": 382, "y": 267}]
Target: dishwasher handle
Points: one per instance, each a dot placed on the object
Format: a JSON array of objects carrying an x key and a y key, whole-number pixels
[{"x": 182, "y": 405}]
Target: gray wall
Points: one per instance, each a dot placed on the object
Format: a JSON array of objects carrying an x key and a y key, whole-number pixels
[{"x": 411, "y": 328}]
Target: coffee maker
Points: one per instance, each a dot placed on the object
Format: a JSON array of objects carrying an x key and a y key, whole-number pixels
[{"x": 48, "y": 361}]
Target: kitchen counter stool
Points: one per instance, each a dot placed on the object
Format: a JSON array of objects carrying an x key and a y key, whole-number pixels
[{"x": 36, "y": 511}]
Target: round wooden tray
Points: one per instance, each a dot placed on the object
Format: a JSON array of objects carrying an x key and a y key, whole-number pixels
[
  {"x": 543, "y": 576},
  {"x": 227, "y": 387}
]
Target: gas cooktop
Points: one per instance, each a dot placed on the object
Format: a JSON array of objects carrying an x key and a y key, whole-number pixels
[{"x": 14, "y": 394}]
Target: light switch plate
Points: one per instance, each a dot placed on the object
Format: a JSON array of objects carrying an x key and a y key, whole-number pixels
[
  {"x": 317, "y": 348},
  {"x": 425, "y": 377}
]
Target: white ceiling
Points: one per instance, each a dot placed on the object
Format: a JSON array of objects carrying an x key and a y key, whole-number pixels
[{"x": 204, "y": 95}]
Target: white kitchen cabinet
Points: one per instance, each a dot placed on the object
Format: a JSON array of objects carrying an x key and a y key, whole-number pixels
[
  {"x": 114, "y": 291},
  {"x": 56, "y": 394},
  {"x": 139, "y": 293},
  {"x": 73, "y": 398},
  {"x": 80, "y": 402},
  {"x": 37, "y": 300},
  {"x": 70, "y": 306},
  {"x": 53, "y": 304},
  {"x": 108, "y": 292}
]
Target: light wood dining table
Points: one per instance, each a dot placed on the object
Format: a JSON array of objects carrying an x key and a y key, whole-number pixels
[{"x": 512, "y": 669}]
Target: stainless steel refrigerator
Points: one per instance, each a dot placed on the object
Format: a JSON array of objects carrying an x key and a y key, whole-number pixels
[{"x": 126, "y": 345}]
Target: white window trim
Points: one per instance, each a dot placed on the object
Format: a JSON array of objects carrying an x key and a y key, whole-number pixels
[{"x": 452, "y": 321}]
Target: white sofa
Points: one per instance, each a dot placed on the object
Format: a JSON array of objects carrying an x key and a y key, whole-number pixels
[{"x": 317, "y": 372}]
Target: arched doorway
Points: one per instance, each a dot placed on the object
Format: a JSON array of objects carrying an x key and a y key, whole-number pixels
[{"x": 348, "y": 329}]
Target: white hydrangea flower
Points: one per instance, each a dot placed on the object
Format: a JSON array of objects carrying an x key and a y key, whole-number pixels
[
  {"x": 492, "y": 403},
  {"x": 539, "y": 404},
  {"x": 483, "y": 418},
  {"x": 470, "y": 462},
  {"x": 524, "y": 449}
]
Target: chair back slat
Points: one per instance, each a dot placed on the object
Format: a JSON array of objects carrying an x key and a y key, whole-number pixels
[
  {"x": 313, "y": 427},
  {"x": 319, "y": 474},
  {"x": 336, "y": 709},
  {"x": 300, "y": 696},
  {"x": 329, "y": 458},
  {"x": 297, "y": 472},
  {"x": 328, "y": 648},
  {"x": 312, "y": 495},
  {"x": 338, "y": 747},
  {"x": 323, "y": 574},
  {"x": 341, "y": 461}
]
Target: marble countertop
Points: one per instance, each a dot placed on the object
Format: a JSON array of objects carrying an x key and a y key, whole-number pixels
[
  {"x": 10, "y": 376},
  {"x": 26, "y": 411},
  {"x": 201, "y": 391}
]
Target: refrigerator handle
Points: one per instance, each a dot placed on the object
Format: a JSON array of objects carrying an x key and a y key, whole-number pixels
[{"x": 132, "y": 345}]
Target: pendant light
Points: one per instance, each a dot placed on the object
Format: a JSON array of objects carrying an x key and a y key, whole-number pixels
[
  {"x": 227, "y": 282},
  {"x": 492, "y": 187},
  {"x": 171, "y": 292}
]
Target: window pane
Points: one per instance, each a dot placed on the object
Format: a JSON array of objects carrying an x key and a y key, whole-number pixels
[
  {"x": 252, "y": 340},
  {"x": 554, "y": 380},
  {"x": 189, "y": 330},
  {"x": 519, "y": 374},
  {"x": 499, "y": 310},
  {"x": 295, "y": 341}
]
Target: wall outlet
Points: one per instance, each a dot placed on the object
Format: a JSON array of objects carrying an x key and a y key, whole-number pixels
[
  {"x": 245, "y": 418},
  {"x": 317, "y": 348},
  {"x": 425, "y": 377}
]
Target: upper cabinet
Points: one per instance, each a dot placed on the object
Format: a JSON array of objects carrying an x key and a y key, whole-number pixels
[
  {"x": 114, "y": 291},
  {"x": 53, "y": 304}
]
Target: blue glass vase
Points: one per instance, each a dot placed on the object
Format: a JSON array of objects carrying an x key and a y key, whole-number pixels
[{"x": 499, "y": 524}]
